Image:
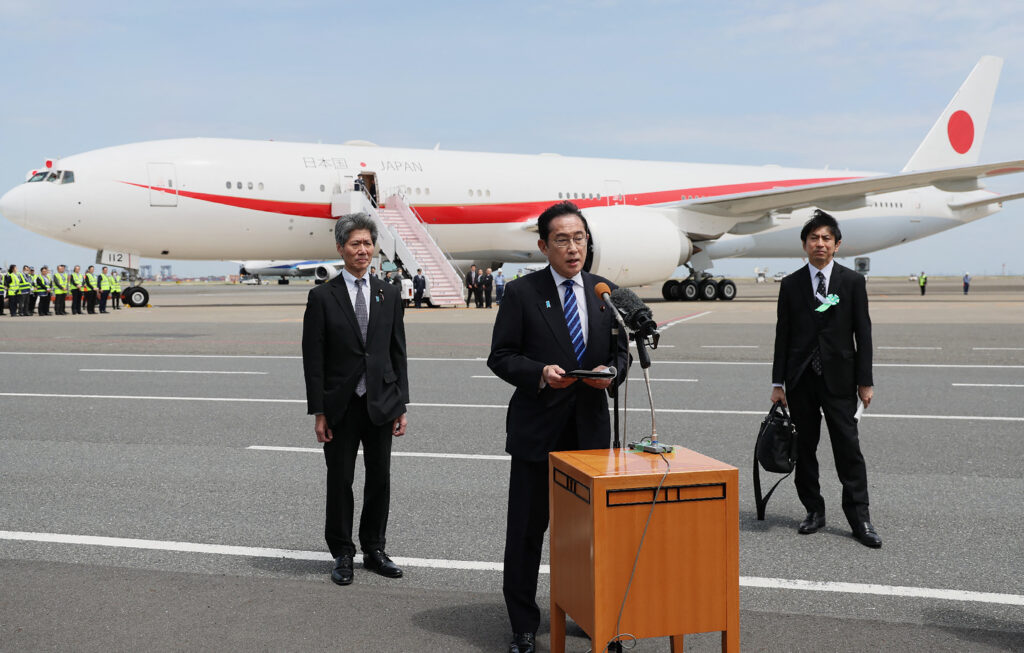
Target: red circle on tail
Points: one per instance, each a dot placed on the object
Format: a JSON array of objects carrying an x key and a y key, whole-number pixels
[{"x": 961, "y": 131}]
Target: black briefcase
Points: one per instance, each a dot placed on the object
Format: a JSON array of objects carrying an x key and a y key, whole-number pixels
[{"x": 776, "y": 451}]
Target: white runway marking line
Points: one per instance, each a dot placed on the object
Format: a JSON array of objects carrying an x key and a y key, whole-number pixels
[
  {"x": 668, "y": 325},
  {"x": 997, "y": 348},
  {"x": 474, "y": 565},
  {"x": 689, "y": 411},
  {"x": 78, "y": 353},
  {"x": 987, "y": 385},
  {"x": 86, "y": 369},
  {"x": 729, "y": 347},
  {"x": 928, "y": 348},
  {"x": 400, "y": 454}
]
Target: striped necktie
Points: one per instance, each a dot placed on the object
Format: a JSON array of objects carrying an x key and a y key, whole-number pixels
[
  {"x": 816, "y": 354},
  {"x": 572, "y": 320},
  {"x": 362, "y": 317}
]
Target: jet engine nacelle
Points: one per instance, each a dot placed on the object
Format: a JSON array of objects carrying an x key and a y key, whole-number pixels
[
  {"x": 326, "y": 272},
  {"x": 633, "y": 246}
]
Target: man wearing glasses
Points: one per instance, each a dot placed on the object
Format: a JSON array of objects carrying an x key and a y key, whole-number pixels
[{"x": 549, "y": 323}]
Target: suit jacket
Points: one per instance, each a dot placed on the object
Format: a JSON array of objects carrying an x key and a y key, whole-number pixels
[
  {"x": 842, "y": 333},
  {"x": 472, "y": 278},
  {"x": 419, "y": 282},
  {"x": 486, "y": 281},
  {"x": 529, "y": 333},
  {"x": 334, "y": 354}
]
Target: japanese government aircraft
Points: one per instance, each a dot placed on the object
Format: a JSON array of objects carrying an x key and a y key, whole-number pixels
[{"x": 207, "y": 198}]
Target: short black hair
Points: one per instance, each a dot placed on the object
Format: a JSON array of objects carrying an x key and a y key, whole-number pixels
[
  {"x": 821, "y": 219},
  {"x": 346, "y": 224},
  {"x": 557, "y": 211}
]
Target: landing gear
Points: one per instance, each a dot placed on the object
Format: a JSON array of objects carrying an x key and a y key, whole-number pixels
[
  {"x": 136, "y": 296},
  {"x": 699, "y": 285},
  {"x": 282, "y": 282}
]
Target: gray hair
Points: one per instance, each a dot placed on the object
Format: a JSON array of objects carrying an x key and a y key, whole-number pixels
[{"x": 346, "y": 224}]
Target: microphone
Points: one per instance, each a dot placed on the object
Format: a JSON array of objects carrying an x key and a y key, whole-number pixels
[
  {"x": 605, "y": 293},
  {"x": 637, "y": 315}
]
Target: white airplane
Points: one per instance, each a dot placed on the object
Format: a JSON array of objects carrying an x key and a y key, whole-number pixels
[{"x": 235, "y": 199}]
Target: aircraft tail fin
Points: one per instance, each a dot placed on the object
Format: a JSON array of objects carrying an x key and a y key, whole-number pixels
[{"x": 955, "y": 138}]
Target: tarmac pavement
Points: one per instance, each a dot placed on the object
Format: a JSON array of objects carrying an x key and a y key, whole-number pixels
[{"x": 137, "y": 515}]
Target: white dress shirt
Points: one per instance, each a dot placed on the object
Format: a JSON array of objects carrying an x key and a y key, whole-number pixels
[
  {"x": 581, "y": 299},
  {"x": 827, "y": 271},
  {"x": 350, "y": 283}
]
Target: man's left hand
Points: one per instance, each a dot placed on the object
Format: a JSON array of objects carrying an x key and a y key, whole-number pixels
[
  {"x": 600, "y": 384},
  {"x": 866, "y": 393},
  {"x": 398, "y": 428}
]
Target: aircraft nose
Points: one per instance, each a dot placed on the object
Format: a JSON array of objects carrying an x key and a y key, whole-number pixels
[{"x": 12, "y": 205}]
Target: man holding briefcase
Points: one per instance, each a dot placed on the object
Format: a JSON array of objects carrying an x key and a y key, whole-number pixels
[{"x": 822, "y": 365}]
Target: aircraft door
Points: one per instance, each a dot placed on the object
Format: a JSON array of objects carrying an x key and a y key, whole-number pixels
[
  {"x": 163, "y": 184},
  {"x": 613, "y": 192},
  {"x": 368, "y": 182}
]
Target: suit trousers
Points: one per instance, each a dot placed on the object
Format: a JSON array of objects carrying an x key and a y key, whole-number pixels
[
  {"x": 807, "y": 401},
  {"x": 44, "y": 304},
  {"x": 76, "y": 302},
  {"x": 340, "y": 456},
  {"x": 524, "y": 535},
  {"x": 90, "y": 301},
  {"x": 60, "y": 304}
]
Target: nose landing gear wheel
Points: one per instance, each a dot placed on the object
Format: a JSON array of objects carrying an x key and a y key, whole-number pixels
[{"x": 136, "y": 296}]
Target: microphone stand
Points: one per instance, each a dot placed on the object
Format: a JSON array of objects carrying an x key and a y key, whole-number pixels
[
  {"x": 645, "y": 364},
  {"x": 613, "y": 389}
]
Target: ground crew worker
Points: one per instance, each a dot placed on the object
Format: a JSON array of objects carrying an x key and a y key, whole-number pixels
[
  {"x": 922, "y": 279},
  {"x": 60, "y": 290},
  {"x": 77, "y": 287},
  {"x": 90, "y": 290},
  {"x": 104, "y": 289},
  {"x": 3, "y": 291},
  {"x": 28, "y": 300},
  {"x": 115, "y": 291},
  {"x": 11, "y": 285},
  {"x": 42, "y": 285}
]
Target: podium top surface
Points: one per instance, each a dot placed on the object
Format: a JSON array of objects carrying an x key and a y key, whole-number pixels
[{"x": 618, "y": 462}]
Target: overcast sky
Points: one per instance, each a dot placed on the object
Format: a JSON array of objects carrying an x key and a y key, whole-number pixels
[{"x": 809, "y": 84}]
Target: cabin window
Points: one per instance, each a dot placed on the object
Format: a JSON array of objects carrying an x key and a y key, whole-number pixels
[
  {"x": 322, "y": 188},
  {"x": 260, "y": 187},
  {"x": 302, "y": 187},
  {"x": 228, "y": 184},
  {"x": 250, "y": 185},
  {"x": 238, "y": 185}
]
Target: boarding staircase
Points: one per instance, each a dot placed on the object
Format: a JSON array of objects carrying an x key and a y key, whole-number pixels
[{"x": 405, "y": 241}]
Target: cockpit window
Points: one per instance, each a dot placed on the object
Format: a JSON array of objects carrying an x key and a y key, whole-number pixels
[{"x": 55, "y": 176}]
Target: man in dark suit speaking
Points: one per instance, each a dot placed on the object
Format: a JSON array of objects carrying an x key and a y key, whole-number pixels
[
  {"x": 357, "y": 386},
  {"x": 822, "y": 365},
  {"x": 549, "y": 323}
]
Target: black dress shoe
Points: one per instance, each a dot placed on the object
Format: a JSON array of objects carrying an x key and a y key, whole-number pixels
[
  {"x": 379, "y": 562},
  {"x": 342, "y": 573},
  {"x": 813, "y": 522},
  {"x": 868, "y": 536},
  {"x": 523, "y": 643}
]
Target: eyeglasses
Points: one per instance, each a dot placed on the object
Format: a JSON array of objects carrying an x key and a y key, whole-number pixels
[{"x": 562, "y": 242}]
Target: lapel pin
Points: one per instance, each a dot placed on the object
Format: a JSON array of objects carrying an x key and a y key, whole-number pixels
[{"x": 547, "y": 304}]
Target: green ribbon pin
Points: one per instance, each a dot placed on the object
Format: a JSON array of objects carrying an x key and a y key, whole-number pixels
[{"x": 830, "y": 301}]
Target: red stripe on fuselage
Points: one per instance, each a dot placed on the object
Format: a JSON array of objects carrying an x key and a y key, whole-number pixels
[{"x": 494, "y": 213}]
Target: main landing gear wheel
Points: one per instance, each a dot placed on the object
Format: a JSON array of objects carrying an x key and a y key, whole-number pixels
[
  {"x": 707, "y": 290},
  {"x": 726, "y": 290},
  {"x": 136, "y": 296},
  {"x": 688, "y": 290},
  {"x": 670, "y": 290}
]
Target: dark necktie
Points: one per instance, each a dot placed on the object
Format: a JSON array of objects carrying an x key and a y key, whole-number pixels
[
  {"x": 816, "y": 355},
  {"x": 572, "y": 320},
  {"x": 362, "y": 317}
]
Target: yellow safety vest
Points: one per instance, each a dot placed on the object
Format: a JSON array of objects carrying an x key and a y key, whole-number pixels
[
  {"x": 104, "y": 282},
  {"x": 90, "y": 282},
  {"x": 76, "y": 280},
  {"x": 25, "y": 285},
  {"x": 60, "y": 283},
  {"x": 115, "y": 282}
]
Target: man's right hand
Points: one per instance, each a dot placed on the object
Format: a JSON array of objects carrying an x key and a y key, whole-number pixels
[
  {"x": 779, "y": 394},
  {"x": 554, "y": 376},
  {"x": 323, "y": 433}
]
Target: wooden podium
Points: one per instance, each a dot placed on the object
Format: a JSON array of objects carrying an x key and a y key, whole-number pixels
[{"x": 687, "y": 577}]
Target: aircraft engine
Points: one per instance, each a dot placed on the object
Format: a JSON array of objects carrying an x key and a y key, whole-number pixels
[
  {"x": 633, "y": 246},
  {"x": 325, "y": 272}
]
